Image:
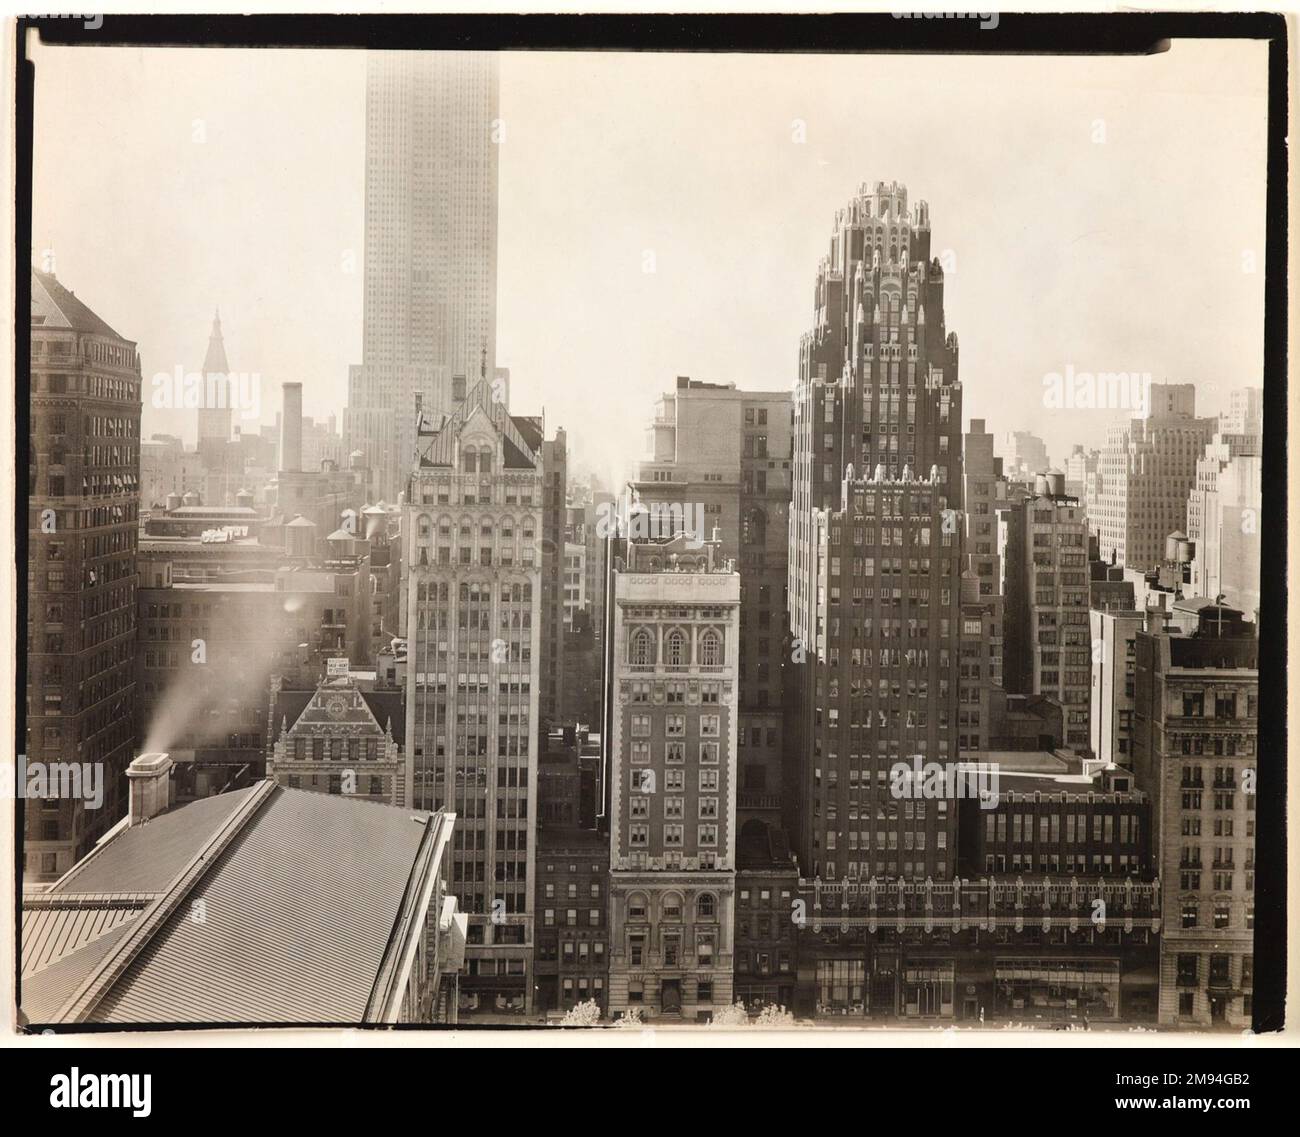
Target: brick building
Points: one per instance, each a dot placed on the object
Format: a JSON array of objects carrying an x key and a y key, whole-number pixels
[
  {"x": 82, "y": 518},
  {"x": 875, "y": 545},
  {"x": 1195, "y": 718}
]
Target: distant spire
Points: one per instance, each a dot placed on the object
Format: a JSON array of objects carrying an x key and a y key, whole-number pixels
[{"x": 214, "y": 363}]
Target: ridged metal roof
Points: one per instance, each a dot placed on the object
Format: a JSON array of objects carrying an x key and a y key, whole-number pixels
[
  {"x": 57, "y": 927},
  {"x": 43, "y": 993},
  {"x": 297, "y": 917},
  {"x": 293, "y": 920},
  {"x": 146, "y": 858}
]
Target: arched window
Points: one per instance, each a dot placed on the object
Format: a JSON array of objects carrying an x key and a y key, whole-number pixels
[
  {"x": 467, "y": 460},
  {"x": 706, "y": 907},
  {"x": 672, "y": 907},
  {"x": 675, "y": 648},
  {"x": 641, "y": 652},
  {"x": 485, "y": 461},
  {"x": 636, "y": 906},
  {"x": 710, "y": 649}
]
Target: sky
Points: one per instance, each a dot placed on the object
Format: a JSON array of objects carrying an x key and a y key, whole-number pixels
[{"x": 663, "y": 215}]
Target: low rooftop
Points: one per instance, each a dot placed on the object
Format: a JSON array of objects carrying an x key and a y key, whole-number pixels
[{"x": 262, "y": 905}]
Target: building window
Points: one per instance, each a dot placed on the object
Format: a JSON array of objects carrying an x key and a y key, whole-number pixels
[
  {"x": 706, "y": 907},
  {"x": 710, "y": 649},
  {"x": 641, "y": 651}
]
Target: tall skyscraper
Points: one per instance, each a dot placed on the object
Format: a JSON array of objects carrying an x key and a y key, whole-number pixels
[
  {"x": 724, "y": 455},
  {"x": 83, "y": 504},
  {"x": 875, "y": 549},
  {"x": 672, "y": 747},
  {"x": 473, "y": 609},
  {"x": 431, "y": 248},
  {"x": 1148, "y": 469}
]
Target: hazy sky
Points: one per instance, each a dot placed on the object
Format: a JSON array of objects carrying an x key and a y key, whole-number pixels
[{"x": 171, "y": 182}]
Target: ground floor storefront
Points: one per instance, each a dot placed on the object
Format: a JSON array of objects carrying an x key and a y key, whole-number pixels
[{"x": 984, "y": 983}]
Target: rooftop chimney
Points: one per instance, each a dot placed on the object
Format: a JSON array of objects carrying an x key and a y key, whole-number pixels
[
  {"x": 150, "y": 781},
  {"x": 291, "y": 428}
]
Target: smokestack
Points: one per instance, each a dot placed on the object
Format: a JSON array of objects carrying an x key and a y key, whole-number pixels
[
  {"x": 150, "y": 786},
  {"x": 291, "y": 429}
]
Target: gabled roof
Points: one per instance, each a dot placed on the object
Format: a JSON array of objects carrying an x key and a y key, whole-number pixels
[
  {"x": 382, "y": 708},
  {"x": 309, "y": 904},
  {"x": 521, "y": 446},
  {"x": 53, "y": 306}
]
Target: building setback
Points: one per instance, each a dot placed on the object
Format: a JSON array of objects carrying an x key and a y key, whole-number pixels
[
  {"x": 875, "y": 544},
  {"x": 82, "y": 517},
  {"x": 1195, "y": 722},
  {"x": 1148, "y": 469},
  {"x": 673, "y": 766},
  {"x": 1025, "y": 454}
]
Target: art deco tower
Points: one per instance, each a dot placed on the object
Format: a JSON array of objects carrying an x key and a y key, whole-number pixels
[
  {"x": 431, "y": 247},
  {"x": 875, "y": 550}
]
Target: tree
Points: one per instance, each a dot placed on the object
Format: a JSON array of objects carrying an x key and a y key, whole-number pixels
[
  {"x": 735, "y": 1015},
  {"x": 774, "y": 1016},
  {"x": 770, "y": 1016},
  {"x": 582, "y": 1014}
]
